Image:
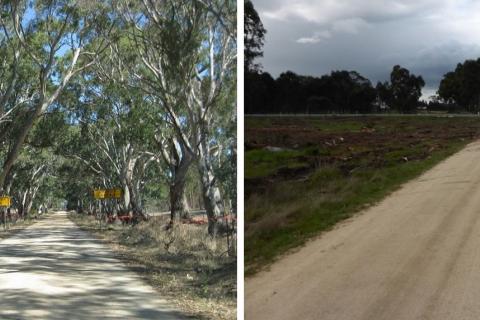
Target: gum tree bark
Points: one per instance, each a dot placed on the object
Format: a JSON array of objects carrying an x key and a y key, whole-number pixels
[
  {"x": 119, "y": 161},
  {"x": 178, "y": 161},
  {"x": 211, "y": 194},
  {"x": 27, "y": 188}
]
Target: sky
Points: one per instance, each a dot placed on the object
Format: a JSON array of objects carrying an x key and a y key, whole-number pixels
[{"x": 314, "y": 37}]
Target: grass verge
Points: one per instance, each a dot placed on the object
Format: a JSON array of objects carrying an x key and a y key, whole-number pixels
[
  {"x": 184, "y": 264},
  {"x": 14, "y": 228}
]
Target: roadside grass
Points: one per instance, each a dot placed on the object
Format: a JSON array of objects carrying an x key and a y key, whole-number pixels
[
  {"x": 19, "y": 225},
  {"x": 187, "y": 266},
  {"x": 340, "y": 124},
  {"x": 263, "y": 163},
  {"x": 284, "y": 211}
]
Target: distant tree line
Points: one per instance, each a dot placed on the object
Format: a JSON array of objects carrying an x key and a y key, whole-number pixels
[
  {"x": 348, "y": 91},
  {"x": 338, "y": 92},
  {"x": 461, "y": 87}
]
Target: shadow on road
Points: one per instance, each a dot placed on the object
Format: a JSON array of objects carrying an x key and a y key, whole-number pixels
[{"x": 53, "y": 270}]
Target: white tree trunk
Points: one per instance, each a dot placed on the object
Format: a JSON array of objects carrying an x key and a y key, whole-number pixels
[{"x": 211, "y": 194}]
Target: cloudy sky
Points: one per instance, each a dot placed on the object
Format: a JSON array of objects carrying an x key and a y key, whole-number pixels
[{"x": 313, "y": 37}]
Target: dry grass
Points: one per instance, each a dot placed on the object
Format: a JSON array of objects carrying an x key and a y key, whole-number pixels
[
  {"x": 184, "y": 263},
  {"x": 19, "y": 225}
]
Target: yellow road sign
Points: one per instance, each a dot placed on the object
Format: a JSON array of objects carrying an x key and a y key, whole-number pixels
[
  {"x": 99, "y": 194},
  {"x": 5, "y": 201},
  {"x": 107, "y": 193},
  {"x": 117, "y": 193}
]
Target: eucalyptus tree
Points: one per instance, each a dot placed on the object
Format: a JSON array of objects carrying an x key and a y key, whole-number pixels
[
  {"x": 174, "y": 162},
  {"x": 254, "y": 38},
  {"x": 58, "y": 39},
  {"x": 187, "y": 56},
  {"x": 112, "y": 136},
  {"x": 225, "y": 156},
  {"x": 120, "y": 157},
  {"x": 29, "y": 174},
  {"x": 462, "y": 86},
  {"x": 16, "y": 94},
  {"x": 32, "y": 177},
  {"x": 406, "y": 89},
  {"x": 9, "y": 67},
  {"x": 76, "y": 192},
  {"x": 9, "y": 75}
]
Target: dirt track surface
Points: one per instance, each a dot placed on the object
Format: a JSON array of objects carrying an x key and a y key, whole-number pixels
[
  {"x": 54, "y": 270},
  {"x": 416, "y": 255}
]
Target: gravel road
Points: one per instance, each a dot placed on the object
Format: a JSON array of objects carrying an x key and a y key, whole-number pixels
[{"x": 54, "y": 270}]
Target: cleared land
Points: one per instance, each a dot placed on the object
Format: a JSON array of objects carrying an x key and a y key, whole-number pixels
[
  {"x": 303, "y": 175},
  {"x": 415, "y": 255},
  {"x": 54, "y": 270}
]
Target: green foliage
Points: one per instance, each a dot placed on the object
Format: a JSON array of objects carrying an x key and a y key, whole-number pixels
[
  {"x": 462, "y": 86},
  {"x": 403, "y": 91},
  {"x": 262, "y": 163},
  {"x": 406, "y": 89},
  {"x": 254, "y": 37}
]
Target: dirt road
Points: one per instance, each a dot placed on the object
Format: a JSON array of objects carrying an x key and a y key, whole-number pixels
[
  {"x": 416, "y": 255},
  {"x": 54, "y": 270}
]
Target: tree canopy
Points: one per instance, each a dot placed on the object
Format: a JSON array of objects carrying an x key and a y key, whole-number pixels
[
  {"x": 126, "y": 94},
  {"x": 254, "y": 37},
  {"x": 462, "y": 86}
]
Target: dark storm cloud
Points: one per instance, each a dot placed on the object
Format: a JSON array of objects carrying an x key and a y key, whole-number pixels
[{"x": 315, "y": 37}]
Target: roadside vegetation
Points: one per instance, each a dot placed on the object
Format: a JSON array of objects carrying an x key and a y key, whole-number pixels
[
  {"x": 15, "y": 225},
  {"x": 304, "y": 175},
  {"x": 185, "y": 264}
]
